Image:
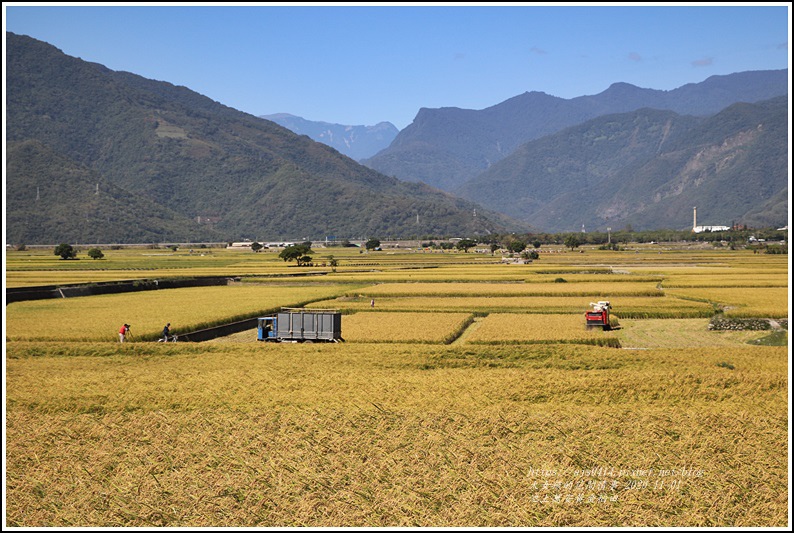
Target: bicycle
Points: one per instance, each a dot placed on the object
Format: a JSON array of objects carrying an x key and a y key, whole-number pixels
[{"x": 172, "y": 338}]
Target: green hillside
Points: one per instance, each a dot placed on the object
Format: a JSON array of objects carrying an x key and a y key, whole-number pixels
[
  {"x": 53, "y": 199},
  {"x": 648, "y": 169},
  {"x": 445, "y": 147},
  {"x": 171, "y": 157}
]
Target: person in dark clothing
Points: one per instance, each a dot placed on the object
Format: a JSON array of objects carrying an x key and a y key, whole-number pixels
[{"x": 166, "y": 332}]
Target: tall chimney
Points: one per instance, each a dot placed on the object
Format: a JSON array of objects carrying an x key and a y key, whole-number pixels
[{"x": 694, "y": 218}]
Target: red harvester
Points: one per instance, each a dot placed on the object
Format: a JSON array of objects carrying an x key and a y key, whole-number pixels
[{"x": 598, "y": 316}]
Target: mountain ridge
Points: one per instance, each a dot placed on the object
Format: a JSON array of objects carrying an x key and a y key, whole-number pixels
[
  {"x": 356, "y": 142},
  {"x": 646, "y": 169},
  {"x": 177, "y": 153},
  {"x": 445, "y": 147}
]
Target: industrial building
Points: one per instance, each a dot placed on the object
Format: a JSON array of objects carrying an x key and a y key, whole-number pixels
[{"x": 701, "y": 229}]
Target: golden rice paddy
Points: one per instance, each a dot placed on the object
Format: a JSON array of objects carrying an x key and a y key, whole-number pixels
[
  {"x": 742, "y": 302},
  {"x": 99, "y": 317},
  {"x": 507, "y": 328},
  {"x": 604, "y": 289},
  {"x": 628, "y": 306},
  {"x": 405, "y": 327},
  {"x": 470, "y": 395}
]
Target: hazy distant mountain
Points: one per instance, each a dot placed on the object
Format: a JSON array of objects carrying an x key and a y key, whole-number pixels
[
  {"x": 356, "y": 142},
  {"x": 648, "y": 168},
  {"x": 448, "y": 146},
  {"x": 107, "y": 156}
]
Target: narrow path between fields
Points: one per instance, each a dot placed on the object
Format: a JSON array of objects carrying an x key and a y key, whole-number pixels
[{"x": 466, "y": 332}]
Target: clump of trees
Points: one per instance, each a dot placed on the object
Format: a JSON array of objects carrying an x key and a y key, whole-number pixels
[
  {"x": 333, "y": 262},
  {"x": 95, "y": 253},
  {"x": 298, "y": 253},
  {"x": 66, "y": 251},
  {"x": 465, "y": 244},
  {"x": 775, "y": 249},
  {"x": 439, "y": 246},
  {"x": 571, "y": 241},
  {"x": 530, "y": 254}
]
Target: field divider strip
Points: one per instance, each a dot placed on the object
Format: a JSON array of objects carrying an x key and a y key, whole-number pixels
[{"x": 470, "y": 325}]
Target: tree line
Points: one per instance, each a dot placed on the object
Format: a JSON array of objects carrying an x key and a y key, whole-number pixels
[{"x": 766, "y": 239}]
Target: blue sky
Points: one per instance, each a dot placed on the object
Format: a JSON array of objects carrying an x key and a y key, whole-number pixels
[{"x": 363, "y": 64}]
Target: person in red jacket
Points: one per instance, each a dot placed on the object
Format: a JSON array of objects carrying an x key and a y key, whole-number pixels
[{"x": 123, "y": 332}]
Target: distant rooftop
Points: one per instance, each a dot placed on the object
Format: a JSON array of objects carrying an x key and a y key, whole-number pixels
[{"x": 701, "y": 229}]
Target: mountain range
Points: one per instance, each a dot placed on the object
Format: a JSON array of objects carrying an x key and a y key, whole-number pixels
[
  {"x": 647, "y": 169},
  {"x": 448, "y": 146},
  {"x": 95, "y": 155},
  {"x": 356, "y": 142}
]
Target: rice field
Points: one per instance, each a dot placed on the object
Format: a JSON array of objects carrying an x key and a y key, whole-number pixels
[
  {"x": 438, "y": 328},
  {"x": 628, "y": 306},
  {"x": 507, "y": 328},
  {"x": 730, "y": 279},
  {"x": 469, "y": 395},
  {"x": 604, "y": 289},
  {"x": 403, "y": 436},
  {"x": 742, "y": 302},
  {"x": 41, "y": 267},
  {"x": 98, "y": 318},
  {"x": 679, "y": 333}
]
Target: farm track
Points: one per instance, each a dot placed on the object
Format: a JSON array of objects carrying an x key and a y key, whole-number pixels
[{"x": 476, "y": 323}]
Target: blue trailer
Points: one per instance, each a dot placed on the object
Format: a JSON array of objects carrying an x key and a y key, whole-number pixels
[{"x": 300, "y": 325}]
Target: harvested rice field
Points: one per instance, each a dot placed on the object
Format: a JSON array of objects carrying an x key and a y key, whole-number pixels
[{"x": 465, "y": 393}]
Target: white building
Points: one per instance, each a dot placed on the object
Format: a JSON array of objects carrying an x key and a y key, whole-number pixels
[
  {"x": 701, "y": 229},
  {"x": 245, "y": 245}
]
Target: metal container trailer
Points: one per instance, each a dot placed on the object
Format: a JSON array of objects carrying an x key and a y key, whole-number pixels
[{"x": 300, "y": 325}]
